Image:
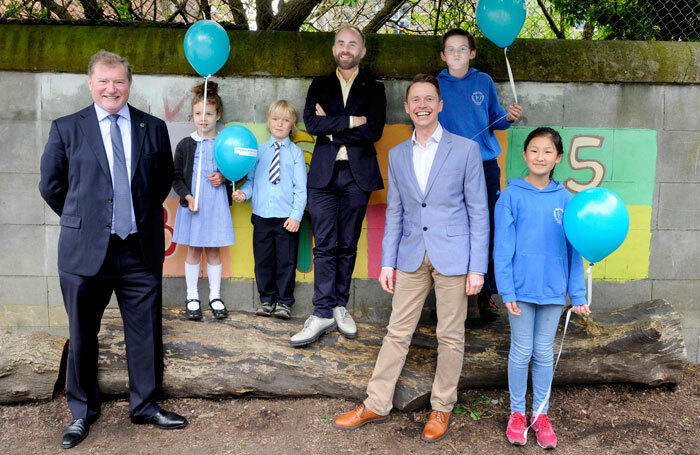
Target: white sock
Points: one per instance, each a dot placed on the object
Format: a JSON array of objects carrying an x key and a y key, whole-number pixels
[
  {"x": 214, "y": 274},
  {"x": 191, "y": 278}
]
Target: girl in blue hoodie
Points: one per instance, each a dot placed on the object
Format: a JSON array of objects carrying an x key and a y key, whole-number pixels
[
  {"x": 536, "y": 267},
  {"x": 471, "y": 110}
]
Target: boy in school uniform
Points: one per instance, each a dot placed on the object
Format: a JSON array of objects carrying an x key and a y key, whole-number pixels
[{"x": 276, "y": 187}]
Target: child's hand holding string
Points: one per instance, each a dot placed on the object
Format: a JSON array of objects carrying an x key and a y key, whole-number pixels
[
  {"x": 190, "y": 203},
  {"x": 239, "y": 196},
  {"x": 581, "y": 310},
  {"x": 514, "y": 112}
]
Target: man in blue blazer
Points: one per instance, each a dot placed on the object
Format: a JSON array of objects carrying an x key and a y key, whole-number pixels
[
  {"x": 436, "y": 234},
  {"x": 346, "y": 110},
  {"x": 106, "y": 171}
]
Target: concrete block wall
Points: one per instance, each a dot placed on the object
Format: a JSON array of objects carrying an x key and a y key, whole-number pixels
[{"x": 30, "y": 297}]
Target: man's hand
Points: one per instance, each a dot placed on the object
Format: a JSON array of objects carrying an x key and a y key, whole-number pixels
[
  {"x": 216, "y": 178},
  {"x": 291, "y": 225},
  {"x": 513, "y": 308},
  {"x": 358, "y": 121},
  {"x": 474, "y": 283},
  {"x": 190, "y": 203},
  {"x": 514, "y": 112},
  {"x": 319, "y": 110},
  {"x": 238, "y": 196},
  {"x": 386, "y": 279}
]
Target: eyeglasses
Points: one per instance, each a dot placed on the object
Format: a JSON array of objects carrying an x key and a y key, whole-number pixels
[{"x": 459, "y": 50}]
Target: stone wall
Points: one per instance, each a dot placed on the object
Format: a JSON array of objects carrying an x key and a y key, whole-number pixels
[{"x": 642, "y": 98}]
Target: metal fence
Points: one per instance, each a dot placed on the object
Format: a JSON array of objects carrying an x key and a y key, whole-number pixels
[{"x": 563, "y": 19}]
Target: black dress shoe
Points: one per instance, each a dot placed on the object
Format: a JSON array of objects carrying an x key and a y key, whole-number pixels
[
  {"x": 77, "y": 431},
  {"x": 163, "y": 419}
]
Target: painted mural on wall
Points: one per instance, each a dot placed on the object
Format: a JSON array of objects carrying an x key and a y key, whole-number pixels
[{"x": 621, "y": 160}]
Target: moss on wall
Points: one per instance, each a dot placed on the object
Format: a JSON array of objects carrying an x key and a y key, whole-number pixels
[{"x": 67, "y": 48}]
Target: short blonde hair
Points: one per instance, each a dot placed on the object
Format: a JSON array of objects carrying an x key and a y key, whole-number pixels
[{"x": 286, "y": 107}]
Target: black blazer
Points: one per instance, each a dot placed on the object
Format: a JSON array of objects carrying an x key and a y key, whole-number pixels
[
  {"x": 366, "y": 98},
  {"x": 184, "y": 164},
  {"x": 76, "y": 184}
]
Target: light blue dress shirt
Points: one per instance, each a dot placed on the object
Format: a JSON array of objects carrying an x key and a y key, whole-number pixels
[
  {"x": 285, "y": 199},
  {"x": 124, "y": 123}
]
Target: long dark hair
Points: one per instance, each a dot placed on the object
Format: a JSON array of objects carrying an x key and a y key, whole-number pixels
[{"x": 553, "y": 135}]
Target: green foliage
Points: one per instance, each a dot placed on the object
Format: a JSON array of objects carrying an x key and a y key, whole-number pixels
[
  {"x": 472, "y": 410},
  {"x": 324, "y": 419},
  {"x": 636, "y": 19}
]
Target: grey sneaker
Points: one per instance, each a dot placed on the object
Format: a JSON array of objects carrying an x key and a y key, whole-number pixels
[
  {"x": 346, "y": 324},
  {"x": 282, "y": 311},
  {"x": 265, "y": 309},
  {"x": 314, "y": 327}
]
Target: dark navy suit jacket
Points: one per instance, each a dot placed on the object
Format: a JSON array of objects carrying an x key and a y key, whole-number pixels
[
  {"x": 366, "y": 98},
  {"x": 76, "y": 184}
]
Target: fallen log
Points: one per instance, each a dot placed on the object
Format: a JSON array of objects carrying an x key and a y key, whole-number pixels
[
  {"x": 29, "y": 366},
  {"x": 248, "y": 355}
]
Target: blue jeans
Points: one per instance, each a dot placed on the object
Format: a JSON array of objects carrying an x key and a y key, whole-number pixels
[{"x": 531, "y": 337}]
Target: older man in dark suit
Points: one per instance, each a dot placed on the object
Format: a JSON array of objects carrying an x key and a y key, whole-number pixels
[
  {"x": 106, "y": 171},
  {"x": 346, "y": 110}
]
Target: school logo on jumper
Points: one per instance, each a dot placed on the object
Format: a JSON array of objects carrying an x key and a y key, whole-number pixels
[
  {"x": 558, "y": 215},
  {"x": 478, "y": 98}
]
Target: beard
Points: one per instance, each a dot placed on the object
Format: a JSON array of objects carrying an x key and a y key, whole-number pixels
[{"x": 347, "y": 64}]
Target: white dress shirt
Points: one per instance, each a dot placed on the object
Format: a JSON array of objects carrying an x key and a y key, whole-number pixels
[
  {"x": 423, "y": 156},
  {"x": 124, "y": 123}
]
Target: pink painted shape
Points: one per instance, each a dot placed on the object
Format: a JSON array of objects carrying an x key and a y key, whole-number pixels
[
  {"x": 170, "y": 114},
  {"x": 375, "y": 232}
]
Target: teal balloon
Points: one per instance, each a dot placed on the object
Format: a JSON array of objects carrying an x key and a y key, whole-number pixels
[
  {"x": 207, "y": 47},
  {"x": 235, "y": 152},
  {"x": 501, "y": 20},
  {"x": 596, "y": 223}
]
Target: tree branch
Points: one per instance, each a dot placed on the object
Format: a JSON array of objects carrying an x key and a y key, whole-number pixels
[
  {"x": 263, "y": 14},
  {"x": 552, "y": 25},
  {"x": 92, "y": 10},
  {"x": 383, "y": 16},
  {"x": 238, "y": 13},
  {"x": 293, "y": 14},
  {"x": 60, "y": 11}
]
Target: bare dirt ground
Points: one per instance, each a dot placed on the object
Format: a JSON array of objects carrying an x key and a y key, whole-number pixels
[{"x": 615, "y": 419}]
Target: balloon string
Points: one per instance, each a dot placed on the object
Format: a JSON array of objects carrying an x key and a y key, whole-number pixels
[
  {"x": 490, "y": 125},
  {"x": 510, "y": 75},
  {"x": 201, "y": 149},
  {"x": 561, "y": 346}
]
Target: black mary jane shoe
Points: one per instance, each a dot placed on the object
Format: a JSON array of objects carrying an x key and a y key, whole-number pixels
[
  {"x": 195, "y": 315},
  {"x": 218, "y": 314}
]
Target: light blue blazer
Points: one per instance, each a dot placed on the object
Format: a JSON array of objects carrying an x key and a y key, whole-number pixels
[{"x": 450, "y": 220}]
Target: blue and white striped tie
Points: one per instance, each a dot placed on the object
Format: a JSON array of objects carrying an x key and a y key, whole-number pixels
[{"x": 275, "y": 165}]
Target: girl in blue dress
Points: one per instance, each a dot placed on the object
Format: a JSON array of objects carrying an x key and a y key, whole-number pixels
[{"x": 208, "y": 226}]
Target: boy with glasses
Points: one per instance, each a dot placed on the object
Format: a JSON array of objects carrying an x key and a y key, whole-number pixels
[{"x": 471, "y": 110}]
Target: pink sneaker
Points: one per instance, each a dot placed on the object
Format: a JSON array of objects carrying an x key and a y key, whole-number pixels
[
  {"x": 544, "y": 432},
  {"x": 516, "y": 431}
]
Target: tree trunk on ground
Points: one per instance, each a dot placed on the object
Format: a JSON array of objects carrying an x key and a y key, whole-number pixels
[
  {"x": 29, "y": 366},
  {"x": 251, "y": 355}
]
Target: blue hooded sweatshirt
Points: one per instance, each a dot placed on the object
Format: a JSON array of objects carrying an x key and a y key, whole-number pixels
[
  {"x": 533, "y": 260},
  {"x": 470, "y": 105}
]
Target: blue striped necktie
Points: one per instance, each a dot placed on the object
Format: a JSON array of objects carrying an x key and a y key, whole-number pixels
[
  {"x": 120, "y": 183},
  {"x": 275, "y": 165}
]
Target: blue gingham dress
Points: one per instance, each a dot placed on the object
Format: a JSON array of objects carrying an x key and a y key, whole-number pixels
[{"x": 212, "y": 225}]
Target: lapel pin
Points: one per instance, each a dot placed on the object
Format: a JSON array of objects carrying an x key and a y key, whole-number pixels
[{"x": 142, "y": 125}]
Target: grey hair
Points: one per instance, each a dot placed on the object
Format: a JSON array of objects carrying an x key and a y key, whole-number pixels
[{"x": 109, "y": 59}]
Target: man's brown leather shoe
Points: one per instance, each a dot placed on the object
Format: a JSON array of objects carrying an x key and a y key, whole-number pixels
[
  {"x": 437, "y": 425},
  {"x": 357, "y": 417}
]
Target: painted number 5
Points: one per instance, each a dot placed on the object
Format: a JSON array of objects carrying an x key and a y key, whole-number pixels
[{"x": 596, "y": 166}]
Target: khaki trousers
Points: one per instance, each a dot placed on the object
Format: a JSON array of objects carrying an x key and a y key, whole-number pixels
[{"x": 410, "y": 292}]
